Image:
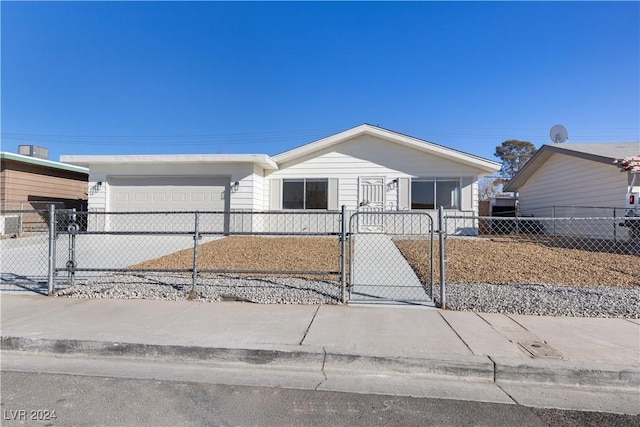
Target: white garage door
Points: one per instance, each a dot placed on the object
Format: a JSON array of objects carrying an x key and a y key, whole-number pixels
[{"x": 178, "y": 193}]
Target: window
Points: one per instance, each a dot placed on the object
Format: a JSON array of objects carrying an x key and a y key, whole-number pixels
[
  {"x": 304, "y": 193},
  {"x": 431, "y": 193}
]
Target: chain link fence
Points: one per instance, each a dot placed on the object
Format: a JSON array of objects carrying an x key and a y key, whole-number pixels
[
  {"x": 595, "y": 234},
  {"x": 191, "y": 242},
  {"x": 571, "y": 251},
  {"x": 360, "y": 256},
  {"x": 24, "y": 252},
  {"x": 391, "y": 257},
  {"x": 24, "y": 258}
]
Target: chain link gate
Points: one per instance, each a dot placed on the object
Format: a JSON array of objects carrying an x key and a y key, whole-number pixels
[{"x": 393, "y": 262}]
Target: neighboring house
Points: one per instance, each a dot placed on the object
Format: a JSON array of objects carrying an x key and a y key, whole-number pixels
[
  {"x": 566, "y": 175},
  {"x": 28, "y": 183},
  {"x": 575, "y": 180},
  {"x": 363, "y": 167}
]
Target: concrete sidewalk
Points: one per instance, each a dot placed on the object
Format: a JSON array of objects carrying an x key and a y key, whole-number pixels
[
  {"x": 376, "y": 341},
  {"x": 381, "y": 274}
]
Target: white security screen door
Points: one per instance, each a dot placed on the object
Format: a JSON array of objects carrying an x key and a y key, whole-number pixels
[{"x": 371, "y": 196}]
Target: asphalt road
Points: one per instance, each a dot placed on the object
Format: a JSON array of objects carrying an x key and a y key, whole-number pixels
[{"x": 58, "y": 399}]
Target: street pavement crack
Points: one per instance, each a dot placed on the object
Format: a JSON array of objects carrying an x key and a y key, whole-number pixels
[
  {"x": 456, "y": 332},
  {"x": 309, "y": 326},
  {"x": 519, "y": 324},
  {"x": 498, "y": 385},
  {"x": 324, "y": 359},
  {"x": 507, "y": 394},
  {"x": 172, "y": 319}
]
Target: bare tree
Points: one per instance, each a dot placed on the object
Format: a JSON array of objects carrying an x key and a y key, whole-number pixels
[{"x": 489, "y": 186}]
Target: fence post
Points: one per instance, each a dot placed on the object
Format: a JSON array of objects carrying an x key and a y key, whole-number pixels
[
  {"x": 443, "y": 301},
  {"x": 343, "y": 253},
  {"x": 431, "y": 253},
  {"x": 196, "y": 238},
  {"x": 21, "y": 220},
  {"x": 52, "y": 248}
]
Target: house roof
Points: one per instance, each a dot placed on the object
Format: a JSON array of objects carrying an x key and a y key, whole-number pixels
[
  {"x": 262, "y": 160},
  {"x": 273, "y": 162},
  {"x": 408, "y": 141},
  {"x": 601, "y": 153},
  {"x": 42, "y": 162}
]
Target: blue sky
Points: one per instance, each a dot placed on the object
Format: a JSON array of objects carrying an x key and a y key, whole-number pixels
[{"x": 262, "y": 77}]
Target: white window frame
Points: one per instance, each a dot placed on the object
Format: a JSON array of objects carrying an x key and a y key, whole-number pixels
[
  {"x": 435, "y": 181},
  {"x": 304, "y": 193}
]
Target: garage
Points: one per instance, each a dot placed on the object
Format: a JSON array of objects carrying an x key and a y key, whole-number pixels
[{"x": 168, "y": 193}]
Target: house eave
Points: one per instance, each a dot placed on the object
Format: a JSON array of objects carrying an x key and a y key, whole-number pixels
[{"x": 261, "y": 160}]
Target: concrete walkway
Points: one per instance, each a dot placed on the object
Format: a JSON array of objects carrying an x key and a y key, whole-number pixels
[
  {"x": 381, "y": 274},
  {"x": 393, "y": 350},
  {"x": 24, "y": 261}
]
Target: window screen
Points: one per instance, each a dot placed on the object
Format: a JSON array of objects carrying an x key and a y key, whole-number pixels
[
  {"x": 304, "y": 193},
  {"x": 429, "y": 194}
]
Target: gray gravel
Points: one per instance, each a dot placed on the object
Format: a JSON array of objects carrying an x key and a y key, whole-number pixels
[
  {"x": 548, "y": 300},
  {"x": 176, "y": 287},
  {"x": 545, "y": 300}
]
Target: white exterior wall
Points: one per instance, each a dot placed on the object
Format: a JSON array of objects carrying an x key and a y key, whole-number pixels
[
  {"x": 571, "y": 181},
  {"x": 242, "y": 198},
  {"x": 564, "y": 181},
  {"x": 258, "y": 188},
  {"x": 367, "y": 156}
]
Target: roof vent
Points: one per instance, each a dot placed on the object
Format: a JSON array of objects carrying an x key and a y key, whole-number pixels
[{"x": 34, "y": 151}]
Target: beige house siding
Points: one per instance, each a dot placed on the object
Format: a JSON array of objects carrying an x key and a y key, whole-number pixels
[
  {"x": 22, "y": 185},
  {"x": 24, "y": 182}
]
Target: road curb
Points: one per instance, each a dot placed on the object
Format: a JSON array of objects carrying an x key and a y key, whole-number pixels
[
  {"x": 256, "y": 357},
  {"x": 570, "y": 373},
  {"x": 468, "y": 367}
]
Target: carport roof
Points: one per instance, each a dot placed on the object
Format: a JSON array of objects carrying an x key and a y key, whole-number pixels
[
  {"x": 43, "y": 162},
  {"x": 261, "y": 160}
]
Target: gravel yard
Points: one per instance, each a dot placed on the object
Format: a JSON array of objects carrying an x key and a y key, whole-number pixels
[
  {"x": 506, "y": 261},
  {"x": 497, "y": 275},
  {"x": 257, "y": 253}
]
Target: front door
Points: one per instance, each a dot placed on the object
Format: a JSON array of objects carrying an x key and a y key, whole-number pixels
[{"x": 371, "y": 196}]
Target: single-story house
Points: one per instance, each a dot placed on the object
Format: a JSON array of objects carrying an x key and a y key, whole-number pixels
[
  {"x": 573, "y": 175},
  {"x": 577, "y": 181},
  {"x": 366, "y": 167},
  {"x": 31, "y": 183}
]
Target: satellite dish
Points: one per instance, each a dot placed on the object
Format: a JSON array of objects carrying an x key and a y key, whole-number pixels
[{"x": 559, "y": 134}]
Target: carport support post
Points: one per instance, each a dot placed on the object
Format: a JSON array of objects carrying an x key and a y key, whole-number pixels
[
  {"x": 343, "y": 253},
  {"x": 441, "y": 235},
  {"x": 52, "y": 248}
]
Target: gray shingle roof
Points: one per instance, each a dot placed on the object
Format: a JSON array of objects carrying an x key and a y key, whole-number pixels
[
  {"x": 613, "y": 150},
  {"x": 598, "y": 152}
]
